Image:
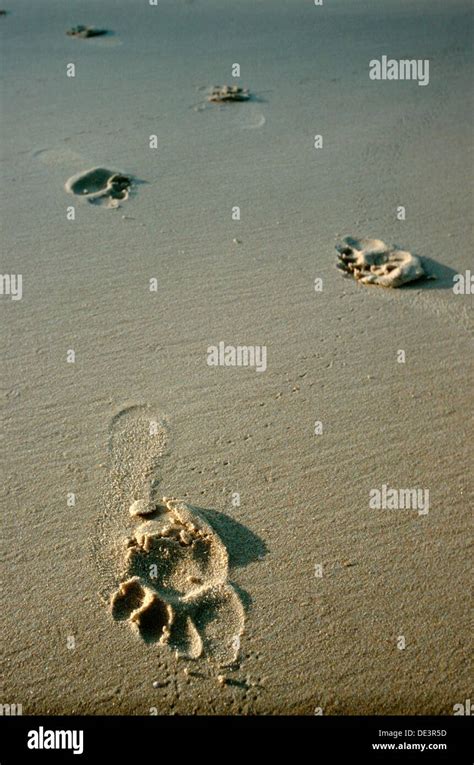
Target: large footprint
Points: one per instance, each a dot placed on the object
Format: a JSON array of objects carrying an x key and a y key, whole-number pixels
[
  {"x": 371, "y": 261},
  {"x": 100, "y": 186},
  {"x": 172, "y": 567}
]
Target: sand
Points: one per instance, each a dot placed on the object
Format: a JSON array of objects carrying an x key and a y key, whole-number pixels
[{"x": 312, "y": 599}]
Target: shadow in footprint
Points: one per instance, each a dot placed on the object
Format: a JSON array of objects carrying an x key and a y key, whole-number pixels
[
  {"x": 152, "y": 621},
  {"x": 148, "y": 613},
  {"x": 129, "y": 597},
  {"x": 244, "y": 596},
  {"x": 85, "y": 32},
  {"x": 99, "y": 185},
  {"x": 443, "y": 276},
  {"x": 178, "y": 591},
  {"x": 242, "y": 544},
  {"x": 234, "y": 683}
]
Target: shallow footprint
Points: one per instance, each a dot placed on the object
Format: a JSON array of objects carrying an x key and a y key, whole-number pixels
[
  {"x": 57, "y": 156},
  {"x": 137, "y": 441},
  {"x": 99, "y": 185},
  {"x": 371, "y": 261},
  {"x": 248, "y": 118}
]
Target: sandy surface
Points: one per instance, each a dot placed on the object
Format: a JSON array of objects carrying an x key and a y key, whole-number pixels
[{"x": 330, "y": 641}]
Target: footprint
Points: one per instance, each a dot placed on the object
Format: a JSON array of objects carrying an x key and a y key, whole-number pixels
[
  {"x": 176, "y": 588},
  {"x": 167, "y": 568},
  {"x": 94, "y": 36},
  {"x": 248, "y": 118},
  {"x": 59, "y": 156},
  {"x": 371, "y": 261},
  {"x": 99, "y": 185},
  {"x": 226, "y": 93},
  {"x": 84, "y": 32},
  {"x": 138, "y": 437},
  {"x": 253, "y": 118}
]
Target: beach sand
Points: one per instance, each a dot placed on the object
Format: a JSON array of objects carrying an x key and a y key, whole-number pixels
[{"x": 330, "y": 605}]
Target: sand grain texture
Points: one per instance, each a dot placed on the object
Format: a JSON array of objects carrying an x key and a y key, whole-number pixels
[{"x": 310, "y": 641}]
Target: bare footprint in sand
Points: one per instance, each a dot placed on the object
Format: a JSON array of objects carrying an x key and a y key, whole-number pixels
[
  {"x": 371, "y": 261},
  {"x": 246, "y": 119},
  {"x": 226, "y": 93},
  {"x": 180, "y": 568},
  {"x": 84, "y": 32},
  {"x": 171, "y": 567},
  {"x": 100, "y": 186}
]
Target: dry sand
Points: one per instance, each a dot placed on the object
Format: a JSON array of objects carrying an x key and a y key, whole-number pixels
[{"x": 330, "y": 642}]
